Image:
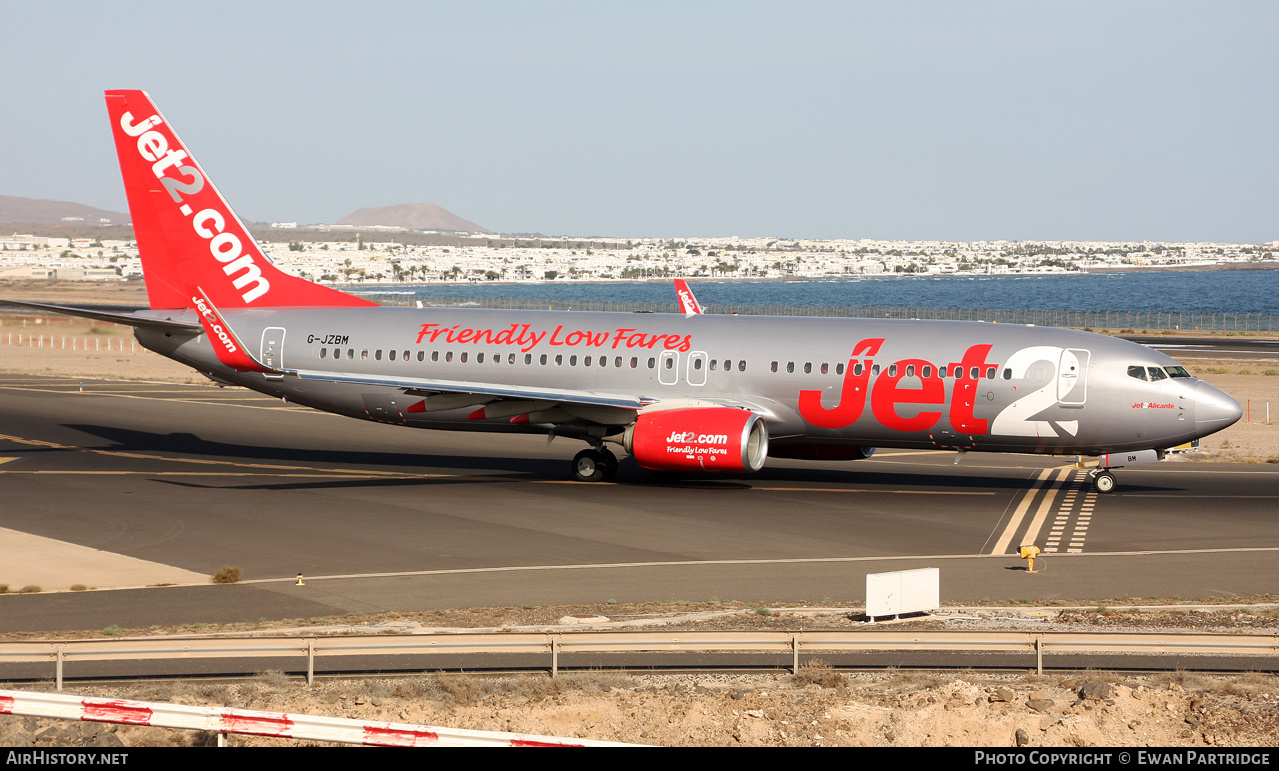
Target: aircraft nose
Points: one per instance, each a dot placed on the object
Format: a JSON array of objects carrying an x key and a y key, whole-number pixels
[{"x": 1214, "y": 409}]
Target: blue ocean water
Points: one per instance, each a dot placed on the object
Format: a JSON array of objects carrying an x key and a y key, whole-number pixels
[{"x": 1226, "y": 291}]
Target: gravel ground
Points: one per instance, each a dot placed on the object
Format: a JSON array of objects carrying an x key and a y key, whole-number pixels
[{"x": 818, "y": 707}]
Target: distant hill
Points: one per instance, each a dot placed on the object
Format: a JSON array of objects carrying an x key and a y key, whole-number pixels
[
  {"x": 416, "y": 216},
  {"x": 17, "y": 209}
]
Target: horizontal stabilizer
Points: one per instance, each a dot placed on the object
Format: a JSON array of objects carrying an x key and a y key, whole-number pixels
[{"x": 114, "y": 317}]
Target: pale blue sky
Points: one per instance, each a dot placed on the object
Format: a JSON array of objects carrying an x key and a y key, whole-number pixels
[{"x": 911, "y": 120}]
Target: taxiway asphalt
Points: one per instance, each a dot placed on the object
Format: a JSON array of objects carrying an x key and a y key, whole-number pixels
[{"x": 126, "y": 485}]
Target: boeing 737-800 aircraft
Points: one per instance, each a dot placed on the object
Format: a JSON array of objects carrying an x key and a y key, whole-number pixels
[{"x": 688, "y": 393}]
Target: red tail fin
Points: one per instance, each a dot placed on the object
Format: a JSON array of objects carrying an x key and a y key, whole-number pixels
[{"x": 186, "y": 232}]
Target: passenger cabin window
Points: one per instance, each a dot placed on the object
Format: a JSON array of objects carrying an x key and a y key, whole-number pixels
[
  {"x": 324, "y": 352},
  {"x": 741, "y": 366},
  {"x": 839, "y": 369}
]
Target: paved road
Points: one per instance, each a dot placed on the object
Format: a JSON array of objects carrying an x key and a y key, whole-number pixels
[
  {"x": 1211, "y": 347},
  {"x": 153, "y": 477}
]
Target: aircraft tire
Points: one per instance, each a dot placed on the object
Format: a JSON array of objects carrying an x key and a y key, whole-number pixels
[
  {"x": 610, "y": 465},
  {"x": 593, "y": 466},
  {"x": 1104, "y": 482}
]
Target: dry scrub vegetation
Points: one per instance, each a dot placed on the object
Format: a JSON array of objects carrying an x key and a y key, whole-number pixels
[{"x": 819, "y": 707}]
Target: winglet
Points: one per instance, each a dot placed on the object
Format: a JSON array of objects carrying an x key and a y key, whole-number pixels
[
  {"x": 226, "y": 345},
  {"x": 688, "y": 304}
]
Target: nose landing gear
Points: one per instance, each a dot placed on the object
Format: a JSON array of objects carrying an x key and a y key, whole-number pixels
[{"x": 1102, "y": 480}]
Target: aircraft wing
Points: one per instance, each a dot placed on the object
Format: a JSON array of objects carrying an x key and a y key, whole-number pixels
[
  {"x": 114, "y": 317},
  {"x": 422, "y": 386}
]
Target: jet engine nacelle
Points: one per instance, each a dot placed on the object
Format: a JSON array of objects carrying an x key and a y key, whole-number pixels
[{"x": 702, "y": 439}]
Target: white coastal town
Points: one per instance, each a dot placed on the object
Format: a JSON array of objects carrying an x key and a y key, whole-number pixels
[{"x": 372, "y": 255}]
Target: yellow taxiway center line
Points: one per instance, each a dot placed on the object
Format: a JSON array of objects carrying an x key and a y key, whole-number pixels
[
  {"x": 225, "y": 402},
  {"x": 143, "y": 456},
  {"x": 1014, "y": 523},
  {"x": 315, "y": 475},
  {"x": 1037, "y": 523}
]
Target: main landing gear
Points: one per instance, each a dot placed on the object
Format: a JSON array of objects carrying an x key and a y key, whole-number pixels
[
  {"x": 1102, "y": 480},
  {"x": 594, "y": 466}
]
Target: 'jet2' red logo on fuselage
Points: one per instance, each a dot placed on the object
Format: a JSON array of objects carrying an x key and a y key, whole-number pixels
[{"x": 887, "y": 393}]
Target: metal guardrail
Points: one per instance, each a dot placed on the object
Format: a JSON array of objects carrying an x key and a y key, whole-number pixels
[
  {"x": 1114, "y": 320},
  {"x": 552, "y": 644}
]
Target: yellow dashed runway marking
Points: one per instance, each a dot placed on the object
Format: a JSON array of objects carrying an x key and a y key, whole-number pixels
[{"x": 1080, "y": 492}]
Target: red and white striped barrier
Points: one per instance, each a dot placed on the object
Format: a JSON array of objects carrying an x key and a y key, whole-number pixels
[{"x": 258, "y": 723}]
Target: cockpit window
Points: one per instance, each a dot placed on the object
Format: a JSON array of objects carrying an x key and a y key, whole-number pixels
[
  {"x": 1177, "y": 372},
  {"x": 1157, "y": 373},
  {"x": 1137, "y": 372}
]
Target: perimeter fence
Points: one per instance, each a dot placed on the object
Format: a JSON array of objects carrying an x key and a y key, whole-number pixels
[{"x": 1114, "y": 320}]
